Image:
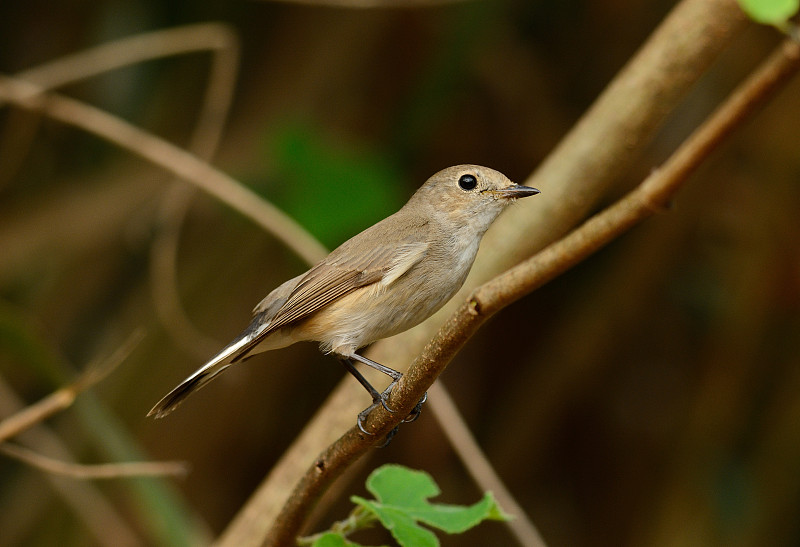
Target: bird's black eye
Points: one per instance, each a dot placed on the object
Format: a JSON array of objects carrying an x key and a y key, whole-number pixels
[{"x": 467, "y": 182}]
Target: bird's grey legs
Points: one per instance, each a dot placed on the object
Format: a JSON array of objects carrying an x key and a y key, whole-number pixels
[
  {"x": 390, "y": 372},
  {"x": 395, "y": 375},
  {"x": 376, "y": 396}
]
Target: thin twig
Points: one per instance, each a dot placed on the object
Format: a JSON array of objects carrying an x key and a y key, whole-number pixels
[
  {"x": 105, "y": 524},
  {"x": 647, "y": 199},
  {"x": 166, "y": 299},
  {"x": 64, "y": 397},
  {"x": 176, "y": 203},
  {"x": 98, "y": 471},
  {"x": 104, "y": 58},
  {"x": 480, "y": 469},
  {"x": 168, "y": 156},
  {"x": 221, "y": 41},
  {"x": 128, "y": 51}
]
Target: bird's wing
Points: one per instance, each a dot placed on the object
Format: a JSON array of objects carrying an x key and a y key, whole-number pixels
[{"x": 336, "y": 276}]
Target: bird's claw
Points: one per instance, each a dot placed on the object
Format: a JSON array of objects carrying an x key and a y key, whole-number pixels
[
  {"x": 389, "y": 436},
  {"x": 360, "y": 420},
  {"x": 385, "y": 397},
  {"x": 380, "y": 399},
  {"x": 416, "y": 411},
  {"x": 412, "y": 416}
]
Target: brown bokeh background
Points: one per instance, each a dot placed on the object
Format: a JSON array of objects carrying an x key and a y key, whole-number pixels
[{"x": 650, "y": 396}]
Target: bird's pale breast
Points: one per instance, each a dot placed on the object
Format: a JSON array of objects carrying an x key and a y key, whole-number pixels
[{"x": 379, "y": 311}]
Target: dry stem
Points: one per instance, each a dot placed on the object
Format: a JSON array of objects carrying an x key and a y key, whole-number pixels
[
  {"x": 168, "y": 156},
  {"x": 64, "y": 397},
  {"x": 97, "y": 471},
  {"x": 479, "y": 467}
]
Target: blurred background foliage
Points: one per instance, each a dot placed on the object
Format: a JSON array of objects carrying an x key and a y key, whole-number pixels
[{"x": 650, "y": 396}]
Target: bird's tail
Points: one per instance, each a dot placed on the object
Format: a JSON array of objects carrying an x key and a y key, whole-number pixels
[{"x": 230, "y": 354}]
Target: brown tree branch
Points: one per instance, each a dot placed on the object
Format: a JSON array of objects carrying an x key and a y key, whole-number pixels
[
  {"x": 215, "y": 37},
  {"x": 106, "y": 525},
  {"x": 221, "y": 41},
  {"x": 175, "y": 204},
  {"x": 652, "y": 196},
  {"x": 168, "y": 156},
  {"x": 64, "y": 397},
  {"x": 477, "y": 463},
  {"x": 72, "y": 470}
]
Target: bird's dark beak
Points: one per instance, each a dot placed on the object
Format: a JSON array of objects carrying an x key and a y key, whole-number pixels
[{"x": 517, "y": 191}]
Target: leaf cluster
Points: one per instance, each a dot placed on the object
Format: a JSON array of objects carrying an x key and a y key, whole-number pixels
[{"x": 401, "y": 505}]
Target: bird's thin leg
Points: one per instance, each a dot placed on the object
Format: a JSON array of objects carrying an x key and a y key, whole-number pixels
[
  {"x": 390, "y": 372},
  {"x": 376, "y": 398},
  {"x": 351, "y": 368}
]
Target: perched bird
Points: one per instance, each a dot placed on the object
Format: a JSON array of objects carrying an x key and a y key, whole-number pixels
[{"x": 385, "y": 280}]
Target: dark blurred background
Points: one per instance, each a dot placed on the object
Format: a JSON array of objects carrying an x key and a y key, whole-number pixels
[{"x": 654, "y": 398}]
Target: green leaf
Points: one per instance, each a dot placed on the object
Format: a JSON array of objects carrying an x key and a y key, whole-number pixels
[
  {"x": 402, "y": 501},
  {"x": 770, "y": 12}
]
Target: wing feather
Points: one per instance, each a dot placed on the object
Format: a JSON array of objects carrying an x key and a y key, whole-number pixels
[{"x": 338, "y": 275}]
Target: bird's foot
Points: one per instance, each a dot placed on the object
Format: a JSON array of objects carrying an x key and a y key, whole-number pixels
[
  {"x": 381, "y": 399},
  {"x": 363, "y": 414},
  {"x": 377, "y": 399}
]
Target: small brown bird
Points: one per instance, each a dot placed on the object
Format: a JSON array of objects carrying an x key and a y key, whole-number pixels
[{"x": 385, "y": 280}]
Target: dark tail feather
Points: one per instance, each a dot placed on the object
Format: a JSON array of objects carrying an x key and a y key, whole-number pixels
[
  {"x": 174, "y": 398},
  {"x": 230, "y": 354}
]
